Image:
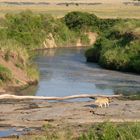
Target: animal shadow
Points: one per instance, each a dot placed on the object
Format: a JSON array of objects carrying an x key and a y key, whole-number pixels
[{"x": 91, "y": 106}]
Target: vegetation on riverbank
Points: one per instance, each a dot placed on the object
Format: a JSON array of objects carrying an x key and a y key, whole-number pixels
[
  {"x": 14, "y": 65},
  {"x": 23, "y": 32},
  {"x": 5, "y": 74},
  {"x": 118, "y": 47},
  {"x": 99, "y": 131},
  {"x": 110, "y": 131},
  {"x": 31, "y": 30}
]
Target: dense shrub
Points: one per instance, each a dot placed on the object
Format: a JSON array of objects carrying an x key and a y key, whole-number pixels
[
  {"x": 105, "y": 25},
  {"x": 128, "y": 26},
  {"x": 115, "y": 59},
  {"x": 102, "y": 44},
  {"x": 63, "y": 35},
  {"x": 118, "y": 48},
  {"x": 80, "y": 20},
  {"x": 134, "y": 53},
  {"x": 25, "y": 27},
  {"x": 136, "y": 64},
  {"x": 31, "y": 29}
]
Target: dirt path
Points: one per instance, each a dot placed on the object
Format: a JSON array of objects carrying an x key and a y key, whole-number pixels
[{"x": 32, "y": 114}]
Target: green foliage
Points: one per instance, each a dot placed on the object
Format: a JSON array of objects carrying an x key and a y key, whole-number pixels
[
  {"x": 124, "y": 58},
  {"x": 12, "y": 50},
  {"x": 80, "y": 20},
  {"x": 118, "y": 48},
  {"x": 26, "y": 28},
  {"x": 128, "y": 26},
  {"x": 115, "y": 59},
  {"x": 100, "y": 131},
  {"x": 30, "y": 29},
  {"x": 3, "y": 34},
  {"x": 105, "y": 25},
  {"x": 93, "y": 54},
  {"x": 5, "y": 74},
  {"x": 63, "y": 36},
  {"x": 110, "y": 131},
  {"x": 84, "y": 39},
  {"x": 32, "y": 72}
]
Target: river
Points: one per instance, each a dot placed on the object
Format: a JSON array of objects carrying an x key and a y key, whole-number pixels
[{"x": 64, "y": 72}]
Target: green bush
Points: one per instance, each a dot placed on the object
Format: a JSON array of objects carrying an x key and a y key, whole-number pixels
[
  {"x": 31, "y": 29},
  {"x": 115, "y": 59},
  {"x": 25, "y": 27},
  {"x": 5, "y": 74},
  {"x": 80, "y": 20},
  {"x": 136, "y": 65},
  {"x": 118, "y": 48},
  {"x": 125, "y": 58},
  {"x": 63, "y": 35},
  {"x": 93, "y": 54},
  {"x": 105, "y": 25}
]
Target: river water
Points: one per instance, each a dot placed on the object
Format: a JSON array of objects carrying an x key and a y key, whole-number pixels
[{"x": 64, "y": 72}]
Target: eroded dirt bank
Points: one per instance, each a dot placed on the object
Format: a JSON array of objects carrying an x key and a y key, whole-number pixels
[{"x": 34, "y": 114}]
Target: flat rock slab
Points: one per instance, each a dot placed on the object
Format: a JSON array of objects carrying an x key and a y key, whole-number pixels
[{"x": 35, "y": 113}]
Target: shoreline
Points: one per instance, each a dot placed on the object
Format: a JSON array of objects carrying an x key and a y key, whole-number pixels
[{"x": 28, "y": 114}]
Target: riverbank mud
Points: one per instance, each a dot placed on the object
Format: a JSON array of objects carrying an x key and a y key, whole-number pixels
[{"x": 33, "y": 114}]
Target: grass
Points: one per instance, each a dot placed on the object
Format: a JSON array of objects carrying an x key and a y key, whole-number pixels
[
  {"x": 5, "y": 74},
  {"x": 99, "y": 131},
  {"x": 110, "y": 131},
  {"x": 103, "y": 10},
  {"x": 16, "y": 52},
  {"x": 32, "y": 72},
  {"x": 19, "y": 57}
]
